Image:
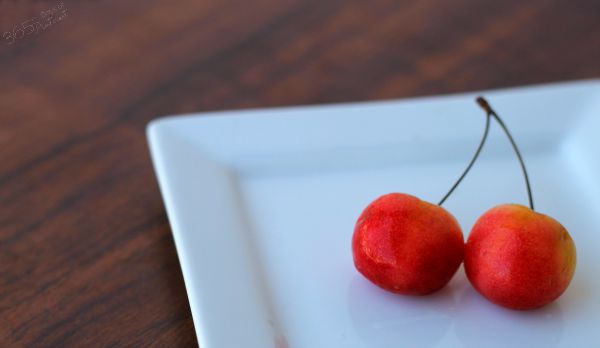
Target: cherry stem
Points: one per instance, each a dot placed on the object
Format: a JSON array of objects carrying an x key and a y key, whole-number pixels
[
  {"x": 488, "y": 109},
  {"x": 491, "y": 113},
  {"x": 481, "y": 143}
]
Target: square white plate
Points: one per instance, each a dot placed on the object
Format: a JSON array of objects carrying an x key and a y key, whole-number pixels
[{"x": 262, "y": 204}]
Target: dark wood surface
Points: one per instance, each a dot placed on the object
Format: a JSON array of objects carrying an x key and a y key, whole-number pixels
[{"x": 86, "y": 254}]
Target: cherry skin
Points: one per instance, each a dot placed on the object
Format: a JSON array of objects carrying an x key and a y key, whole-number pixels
[
  {"x": 406, "y": 245},
  {"x": 519, "y": 258}
]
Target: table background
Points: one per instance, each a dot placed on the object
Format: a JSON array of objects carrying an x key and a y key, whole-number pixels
[{"x": 86, "y": 254}]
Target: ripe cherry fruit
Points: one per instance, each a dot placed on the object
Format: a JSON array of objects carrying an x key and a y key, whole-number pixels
[
  {"x": 515, "y": 256},
  {"x": 408, "y": 246}
]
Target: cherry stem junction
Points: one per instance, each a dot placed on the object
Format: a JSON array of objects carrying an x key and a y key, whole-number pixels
[{"x": 489, "y": 114}]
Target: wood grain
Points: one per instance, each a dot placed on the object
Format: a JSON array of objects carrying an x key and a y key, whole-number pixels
[{"x": 86, "y": 254}]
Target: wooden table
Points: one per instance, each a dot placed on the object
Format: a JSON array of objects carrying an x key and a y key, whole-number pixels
[{"x": 86, "y": 254}]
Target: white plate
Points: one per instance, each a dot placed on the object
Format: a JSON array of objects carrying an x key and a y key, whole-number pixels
[{"x": 262, "y": 204}]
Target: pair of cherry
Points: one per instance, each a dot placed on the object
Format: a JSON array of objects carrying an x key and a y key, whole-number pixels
[{"x": 514, "y": 256}]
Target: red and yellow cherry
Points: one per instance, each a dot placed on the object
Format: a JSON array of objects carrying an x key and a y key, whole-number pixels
[
  {"x": 519, "y": 258},
  {"x": 406, "y": 245}
]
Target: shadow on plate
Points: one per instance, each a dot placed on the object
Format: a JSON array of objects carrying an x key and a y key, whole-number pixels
[
  {"x": 384, "y": 319},
  {"x": 481, "y": 323}
]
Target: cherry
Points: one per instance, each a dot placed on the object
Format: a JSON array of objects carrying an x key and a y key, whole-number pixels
[
  {"x": 515, "y": 256},
  {"x": 409, "y": 246},
  {"x": 406, "y": 245}
]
